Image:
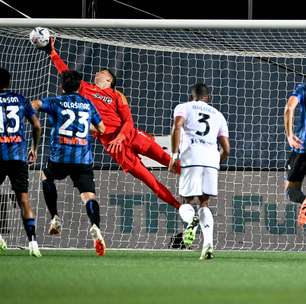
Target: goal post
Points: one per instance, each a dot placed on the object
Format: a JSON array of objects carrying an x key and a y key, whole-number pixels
[{"x": 251, "y": 67}]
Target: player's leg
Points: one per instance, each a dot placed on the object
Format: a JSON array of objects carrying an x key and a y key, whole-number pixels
[
  {"x": 296, "y": 170},
  {"x": 19, "y": 178},
  {"x": 207, "y": 226},
  {"x": 28, "y": 220},
  {"x": 142, "y": 173},
  {"x": 3, "y": 245},
  {"x": 83, "y": 179},
  {"x": 191, "y": 229},
  {"x": 3, "y": 174},
  {"x": 130, "y": 162},
  {"x": 50, "y": 172},
  {"x": 209, "y": 188},
  {"x": 190, "y": 187},
  {"x": 295, "y": 194},
  {"x": 146, "y": 145}
]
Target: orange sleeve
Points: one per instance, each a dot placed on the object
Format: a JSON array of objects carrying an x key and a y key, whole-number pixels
[
  {"x": 125, "y": 115},
  {"x": 60, "y": 65}
]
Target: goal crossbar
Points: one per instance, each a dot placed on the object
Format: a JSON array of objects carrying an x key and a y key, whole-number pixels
[{"x": 156, "y": 23}]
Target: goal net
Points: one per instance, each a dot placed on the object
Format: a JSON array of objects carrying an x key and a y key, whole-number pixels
[{"x": 250, "y": 70}]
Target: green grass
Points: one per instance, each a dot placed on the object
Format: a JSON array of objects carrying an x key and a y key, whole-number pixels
[{"x": 152, "y": 277}]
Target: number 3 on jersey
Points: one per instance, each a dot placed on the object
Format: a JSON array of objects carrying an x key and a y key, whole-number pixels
[
  {"x": 82, "y": 120},
  {"x": 11, "y": 114},
  {"x": 203, "y": 119}
]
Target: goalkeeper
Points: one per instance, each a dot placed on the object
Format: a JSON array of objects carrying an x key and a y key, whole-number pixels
[{"x": 121, "y": 139}]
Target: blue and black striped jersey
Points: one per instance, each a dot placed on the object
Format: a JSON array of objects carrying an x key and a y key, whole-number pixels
[
  {"x": 70, "y": 138},
  {"x": 13, "y": 110},
  {"x": 300, "y": 131}
]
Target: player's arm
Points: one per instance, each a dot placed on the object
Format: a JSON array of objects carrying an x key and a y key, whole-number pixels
[
  {"x": 223, "y": 140},
  {"x": 293, "y": 140},
  {"x": 175, "y": 142},
  {"x": 100, "y": 128},
  {"x": 225, "y": 145},
  {"x": 59, "y": 64},
  {"x": 124, "y": 111},
  {"x": 36, "y": 130},
  {"x": 36, "y": 133},
  {"x": 96, "y": 123}
]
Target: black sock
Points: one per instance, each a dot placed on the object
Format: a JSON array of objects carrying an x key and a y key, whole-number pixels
[
  {"x": 29, "y": 226},
  {"x": 93, "y": 212},
  {"x": 50, "y": 195}
]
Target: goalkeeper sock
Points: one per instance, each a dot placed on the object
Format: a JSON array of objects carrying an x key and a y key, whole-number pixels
[
  {"x": 93, "y": 212},
  {"x": 29, "y": 226},
  {"x": 50, "y": 195},
  {"x": 207, "y": 225}
]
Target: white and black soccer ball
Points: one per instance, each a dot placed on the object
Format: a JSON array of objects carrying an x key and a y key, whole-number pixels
[{"x": 39, "y": 37}]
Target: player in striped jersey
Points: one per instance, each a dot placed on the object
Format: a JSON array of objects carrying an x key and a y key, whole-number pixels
[
  {"x": 70, "y": 151},
  {"x": 121, "y": 139},
  {"x": 14, "y": 108},
  {"x": 197, "y": 130},
  {"x": 296, "y": 164}
]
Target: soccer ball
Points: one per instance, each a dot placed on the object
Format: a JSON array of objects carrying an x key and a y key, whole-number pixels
[{"x": 39, "y": 37}]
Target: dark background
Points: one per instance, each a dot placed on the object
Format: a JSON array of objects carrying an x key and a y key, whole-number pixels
[{"x": 191, "y": 9}]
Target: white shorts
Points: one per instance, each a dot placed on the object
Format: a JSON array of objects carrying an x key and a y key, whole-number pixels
[{"x": 196, "y": 181}]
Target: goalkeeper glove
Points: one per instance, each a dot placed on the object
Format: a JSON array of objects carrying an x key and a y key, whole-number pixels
[
  {"x": 115, "y": 146},
  {"x": 49, "y": 47}
]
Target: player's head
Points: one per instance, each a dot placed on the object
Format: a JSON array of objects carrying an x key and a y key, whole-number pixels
[
  {"x": 71, "y": 81},
  {"x": 200, "y": 92},
  {"x": 5, "y": 78},
  {"x": 105, "y": 79}
]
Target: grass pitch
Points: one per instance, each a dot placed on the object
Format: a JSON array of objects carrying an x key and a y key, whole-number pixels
[{"x": 152, "y": 277}]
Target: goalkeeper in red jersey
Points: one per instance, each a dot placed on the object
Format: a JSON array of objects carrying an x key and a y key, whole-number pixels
[{"x": 121, "y": 139}]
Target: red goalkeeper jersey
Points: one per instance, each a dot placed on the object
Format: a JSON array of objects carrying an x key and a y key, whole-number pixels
[{"x": 110, "y": 104}]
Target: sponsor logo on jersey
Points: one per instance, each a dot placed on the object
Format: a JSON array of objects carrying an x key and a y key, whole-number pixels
[
  {"x": 10, "y": 139},
  {"x": 103, "y": 98},
  {"x": 200, "y": 141},
  {"x": 73, "y": 141}
]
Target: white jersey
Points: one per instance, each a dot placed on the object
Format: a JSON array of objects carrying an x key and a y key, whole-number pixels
[{"x": 203, "y": 125}]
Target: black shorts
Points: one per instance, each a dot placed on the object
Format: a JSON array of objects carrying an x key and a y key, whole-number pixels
[
  {"x": 296, "y": 167},
  {"x": 81, "y": 175},
  {"x": 18, "y": 173}
]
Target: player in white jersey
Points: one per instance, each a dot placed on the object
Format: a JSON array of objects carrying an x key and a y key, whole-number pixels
[{"x": 198, "y": 131}]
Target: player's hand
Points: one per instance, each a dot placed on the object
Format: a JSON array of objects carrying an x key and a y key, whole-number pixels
[
  {"x": 49, "y": 47},
  {"x": 115, "y": 146},
  {"x": 32, "y": 156},
  {"x": 295, "y": 142},
  {"x": 173, "y": 165}
]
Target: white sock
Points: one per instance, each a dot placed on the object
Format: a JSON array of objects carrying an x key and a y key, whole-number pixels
[{"x": 207, "y": 225}]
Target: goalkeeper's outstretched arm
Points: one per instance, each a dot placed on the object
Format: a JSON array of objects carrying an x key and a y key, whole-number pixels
[{"x": 59, "y": 64}]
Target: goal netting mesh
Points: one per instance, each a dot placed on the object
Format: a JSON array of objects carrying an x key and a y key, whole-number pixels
[{"x": 250, "y": 73}]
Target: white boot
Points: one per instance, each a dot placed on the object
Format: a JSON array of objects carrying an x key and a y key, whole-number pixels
[{"x": 34, "y": 251}]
